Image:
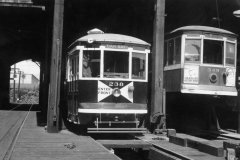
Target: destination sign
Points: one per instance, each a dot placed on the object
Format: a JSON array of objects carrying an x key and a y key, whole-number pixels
[{"x": 116, "y": 46}]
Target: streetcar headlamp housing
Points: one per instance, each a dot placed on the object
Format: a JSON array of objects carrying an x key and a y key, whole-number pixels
[
  {"x": 116, "y": 92},
  {"x": 213, "y": 78}
]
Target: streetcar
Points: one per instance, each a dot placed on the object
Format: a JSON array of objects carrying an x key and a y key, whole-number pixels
[
  {"x": 107, "y": 79},
  {"x": 200, "y": 60}
]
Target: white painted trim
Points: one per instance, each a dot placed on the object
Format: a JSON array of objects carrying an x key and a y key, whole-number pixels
[
  {"x": 73, "y": 50},
  {"x": 146, "y": 67},
  {"x": 215, "y": 39},
  {"x": 102, "y": 61},
  {"x": 182, "y": 50},
  {"x": 172, "y": 67},
  {"x": 68, "y": 69},
  {"x": 224, "y": 51},
  {"x": 113, "y": 79},
  {"x": 130, "y": 63},
  {"x": 201, "y": 51},
  {"x": 80, "y": 63},
  {"x": 91, "y": 49},
  {"x": 235, "y": 54},
  {"x": 113, "y": 49},
  {"x": 212, "y": 65},
  {"x": 113, "y": 111},
  {"x": 146, "y": 51},
  {"x": 197, "y": 91}
]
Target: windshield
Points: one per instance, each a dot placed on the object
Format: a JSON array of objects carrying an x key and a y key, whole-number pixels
[
  {"x": 213, "y": 52},
  {"x": 116, "y": 64},
  {"x": 192, "y": 50}
]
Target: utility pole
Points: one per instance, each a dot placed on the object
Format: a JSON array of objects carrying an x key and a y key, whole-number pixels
[
  {"x": 14, "y": 75},
  {"x": 19, "y": 81},
  {"x": 157, "y": 94},
  {"x": 53, "y": 117}
]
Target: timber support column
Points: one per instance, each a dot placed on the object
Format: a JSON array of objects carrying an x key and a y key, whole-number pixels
[
  {"x": 53, "y": 116},
  {"x": 157, "y": 94}
]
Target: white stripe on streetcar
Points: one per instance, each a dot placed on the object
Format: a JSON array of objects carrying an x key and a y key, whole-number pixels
[{"x": 117, "y": 111}]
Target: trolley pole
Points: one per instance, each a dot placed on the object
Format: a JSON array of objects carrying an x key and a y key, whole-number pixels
[
  {"x": 157, "y": 93},
  {"x": 53, "y": 116}
]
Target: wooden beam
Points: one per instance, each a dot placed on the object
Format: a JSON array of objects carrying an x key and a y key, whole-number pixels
[
  {"x": 125, "y": 144},
  {"x": 53, "y": 118},
  {"x": 157, "y": 94}
]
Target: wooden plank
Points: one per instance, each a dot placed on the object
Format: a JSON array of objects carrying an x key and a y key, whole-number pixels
[
  {"x": 65, "y": 157},
  {"x": 231, "y": 144},
  {"x": 211, "y": 147},
  {"x": 7, "y": 137},
  {"x": 186, "y": 152},
  {"x": 178, "y": 141},
  {"x": 124, "y": 143},
  {"x": 155, "y": 154},
  {"x": 35, "y": 143}
]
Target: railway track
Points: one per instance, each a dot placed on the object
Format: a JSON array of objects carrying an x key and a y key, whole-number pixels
[
  {"x": 11, "y": 126},
  {"x": 155, "y": 146}
]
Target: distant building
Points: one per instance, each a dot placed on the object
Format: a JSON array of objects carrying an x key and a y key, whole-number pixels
[{"x": 27, "y": 81}]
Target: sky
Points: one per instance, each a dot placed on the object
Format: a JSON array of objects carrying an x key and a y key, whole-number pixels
[{"x": 28, "y": 67}]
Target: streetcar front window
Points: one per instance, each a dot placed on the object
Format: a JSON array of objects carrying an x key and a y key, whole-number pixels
[
  {"x": 213, "y": 52},
  {"x": 192, "y": 50},
  {"x": 116, "y": 64},
  {"x": 230, "y": 54},
  {"x": 91, "y": 63},
  {"x": 138, "y": 66}
]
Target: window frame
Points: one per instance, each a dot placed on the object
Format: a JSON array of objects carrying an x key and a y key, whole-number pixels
[
  {"x": 204, "y": 37},
  {"x": 102, "y": 49},
  {"x": 235, "y": 53}
]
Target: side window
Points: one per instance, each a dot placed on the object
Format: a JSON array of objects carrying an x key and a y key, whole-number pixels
[
  {"x": 91, "y": 63},
  {"x": 138, "y": 66},
  {"x": 192, "y": 50},
  {"x": 230, "y": 54},
  {"x": 165, "y": 53},
  {"x": 177, "y": 57},
  {"x": 70, "y": 68},
  {"x": 170, "y": 52}
]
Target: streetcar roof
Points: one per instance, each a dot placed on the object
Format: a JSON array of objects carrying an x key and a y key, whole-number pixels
[
  {"x": 203, "y": 28},
  {"x": 110, "y": 37}
]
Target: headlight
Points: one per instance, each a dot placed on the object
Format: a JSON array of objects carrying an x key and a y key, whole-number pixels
[
  {"x": 213, "y": 78},
  {"x": 116, "y": 92}
]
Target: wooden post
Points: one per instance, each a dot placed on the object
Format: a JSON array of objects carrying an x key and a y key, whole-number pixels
[
  {"x": 157, "y": 102},
  {"x": 53, "y": 117}
]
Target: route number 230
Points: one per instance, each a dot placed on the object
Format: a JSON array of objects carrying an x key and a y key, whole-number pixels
[{"x": 116, "y": 84}]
